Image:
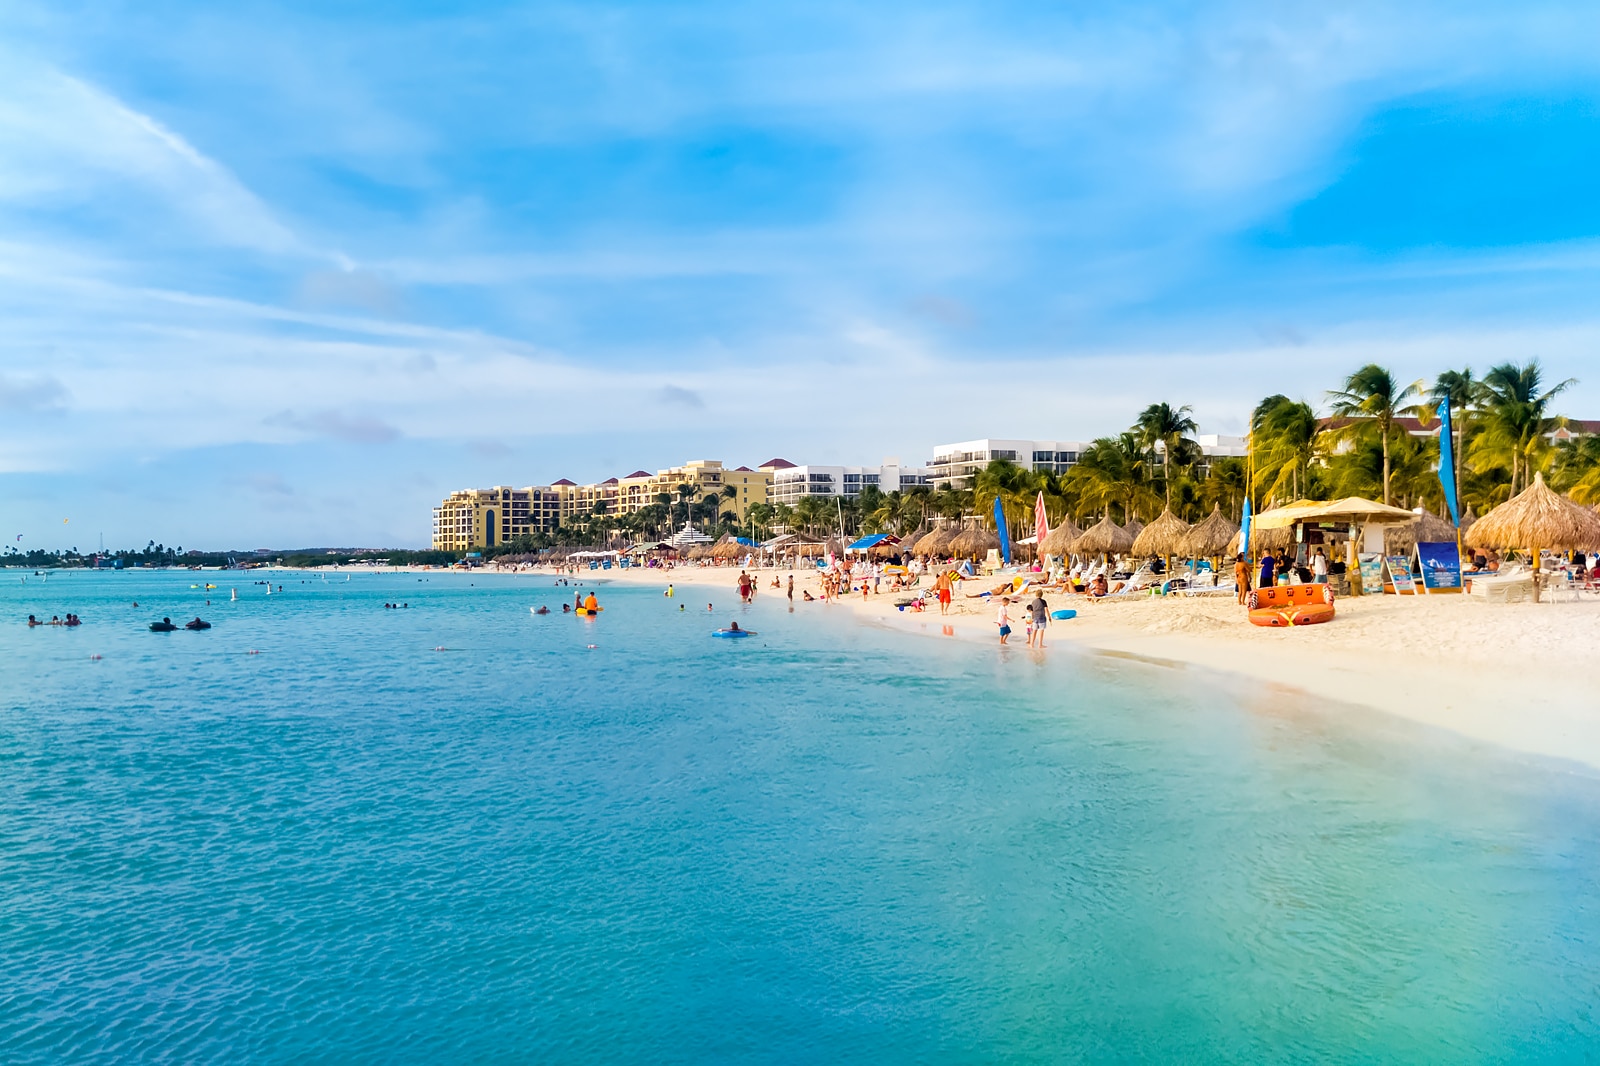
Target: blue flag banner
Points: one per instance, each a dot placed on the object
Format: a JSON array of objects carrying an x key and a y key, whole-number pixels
[
  {"x": 1447, "y": 462},
  {"x": 1000, "y": 528},
  {"x": 1244, "y": 530}
]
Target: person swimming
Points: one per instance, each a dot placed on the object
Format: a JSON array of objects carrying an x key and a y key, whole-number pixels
[
  {"x": 541, "y": 609},
  {"x": 566, "y": 608},
  {"x": 32, "y": 621}
]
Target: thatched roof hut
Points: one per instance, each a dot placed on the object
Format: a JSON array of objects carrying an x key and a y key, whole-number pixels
[
  {"x": 1468, "y": 517},
  {"x": 834, "y": 546},
  {"x": 1162, "y": 536},
  {"x": 1264, "y": 539},
  {"x": 1105, "y": 537},
  {"x": 1536, "y": 518},
  {"x": 932, "y": 542},
  {"x": 698, "y": 552},
  {"x": 973, "y": 541},
  {"x": 1134, "y": 527},
  {"x": 1060, "y": 539},
  {"x": 1425, "y": 529},
  {"x": 1209, "y": 538},
  {"x": 729, "y": 549}
]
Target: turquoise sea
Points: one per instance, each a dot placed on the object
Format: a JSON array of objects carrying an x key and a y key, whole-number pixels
[{"x": 461, "y": 833}]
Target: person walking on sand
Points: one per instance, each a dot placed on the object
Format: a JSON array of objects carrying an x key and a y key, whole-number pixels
[
  {"x": 1319, "y": 568},
  {"x": 1002, "y": 618},
  {"x": 942, "y": 586},
  {"x": 1241, "y": 578}
]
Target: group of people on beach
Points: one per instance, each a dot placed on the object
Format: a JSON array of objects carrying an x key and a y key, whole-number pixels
[
  {"x": 1035, "y": 619},
  {"x": 70, "y": 620}
]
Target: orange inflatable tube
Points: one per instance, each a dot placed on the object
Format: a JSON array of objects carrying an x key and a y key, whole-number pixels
[{"x": 1291, "y": 605}]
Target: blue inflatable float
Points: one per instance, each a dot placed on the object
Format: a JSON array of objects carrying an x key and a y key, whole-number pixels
[{"x": 1062, "y": 616}]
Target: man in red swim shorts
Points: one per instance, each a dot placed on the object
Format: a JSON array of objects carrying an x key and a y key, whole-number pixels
[{"x": 943, "y": 587}]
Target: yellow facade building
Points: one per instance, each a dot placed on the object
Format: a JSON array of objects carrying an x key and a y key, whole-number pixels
[{"x": 474, "y": 519}]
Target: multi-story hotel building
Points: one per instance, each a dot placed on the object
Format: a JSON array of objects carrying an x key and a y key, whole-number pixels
[
  {"x": 473, "y": 519},
  {"x": 957, "y": 464},
  {"x": 790, "y": 483},
  {"x": 481, "y": 518}
]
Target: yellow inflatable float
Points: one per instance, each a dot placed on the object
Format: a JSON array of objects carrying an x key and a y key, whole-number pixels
[{"x": 1291, "y": 605}]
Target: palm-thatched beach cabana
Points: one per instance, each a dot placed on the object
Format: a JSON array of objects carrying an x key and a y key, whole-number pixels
[
  {"x": 973, "y": 542},
  {"x": 1425, "y": 529},
  {"x": 1105, "y": 537},
  {"x": 1161, "y": 537},
  {"x": 1210, "y": 538},
  {"x": 1060, "y": 539},
  {"x": 1535, "y": 519}
]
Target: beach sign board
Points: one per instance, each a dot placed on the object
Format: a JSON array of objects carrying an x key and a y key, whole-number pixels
[
  {"x": 1400, "y": 575},
  {"x": 1371, "y": 572},
  {"x": 1440, "y": 565}
]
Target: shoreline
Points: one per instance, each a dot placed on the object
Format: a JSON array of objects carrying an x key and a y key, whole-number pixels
[{"x": 1511, "y": 675}]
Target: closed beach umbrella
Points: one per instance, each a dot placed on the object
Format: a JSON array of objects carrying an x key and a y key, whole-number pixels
[
  {"x": 1210, "y": 538},
  {"x": 1535, "y": 519},
  {"x": 1425, "y": 529},
  {"x": 973, "y": 542},
  {"x": 1105, "y": 537},
  {"x": 1059, "y": 542},
  {"x": 1162, "y": 536}
]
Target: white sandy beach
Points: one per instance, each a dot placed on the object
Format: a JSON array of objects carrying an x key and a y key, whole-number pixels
[{"x": 1516, "y": 675}]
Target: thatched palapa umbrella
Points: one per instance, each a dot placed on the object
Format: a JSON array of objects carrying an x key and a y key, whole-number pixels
[
  {"x": 1535, "y": 519},
  {"x": 1134, "y": 527},
  {"x": 1161, "y": 537},
  {"x": 937, "y": 542},
  {"x": 1276, "y": 540},
  {"x": 1210, "y": 538},
  {"x": 1105, "y": 537},
  {"x": 1425, "y": 529},
  {"x": 1059, "y": 542},
  {"x": 728, "y": 549},
  {"x": 973, "y": 542}
]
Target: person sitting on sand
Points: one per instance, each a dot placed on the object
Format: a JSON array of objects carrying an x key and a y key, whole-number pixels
[
  {"x": 806, "y": 595},
  {"x": 1099, "y": 587}
]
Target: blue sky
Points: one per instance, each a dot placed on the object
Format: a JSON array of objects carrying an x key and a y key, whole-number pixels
[{"x": 285, "y": 275}]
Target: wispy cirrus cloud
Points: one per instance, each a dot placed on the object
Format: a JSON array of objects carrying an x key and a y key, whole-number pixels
[{"x": 353, "y": 429}]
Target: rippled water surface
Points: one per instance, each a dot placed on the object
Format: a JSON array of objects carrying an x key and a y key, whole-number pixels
[{"x": 459, "y": 833}]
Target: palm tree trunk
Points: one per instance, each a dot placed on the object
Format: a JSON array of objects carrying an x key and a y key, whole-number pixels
[{"x": 1386, "y": 465}]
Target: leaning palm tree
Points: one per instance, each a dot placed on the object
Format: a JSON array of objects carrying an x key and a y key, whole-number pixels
[
  {"x": 1162, "y": 425},
  {"x": 1373, "y": 399}
]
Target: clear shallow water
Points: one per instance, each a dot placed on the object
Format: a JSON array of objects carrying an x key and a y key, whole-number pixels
[{"x": 821, "y": 844}]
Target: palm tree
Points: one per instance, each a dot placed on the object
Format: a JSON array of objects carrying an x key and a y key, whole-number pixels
[
  {"x": 1373, "y": 399},
  {"x": 1112, "y": 471},
  {"x": 1162, "y": 425},
  {"x": 1516, "y": 418},
  {"x": 1283, "y": 440}
]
